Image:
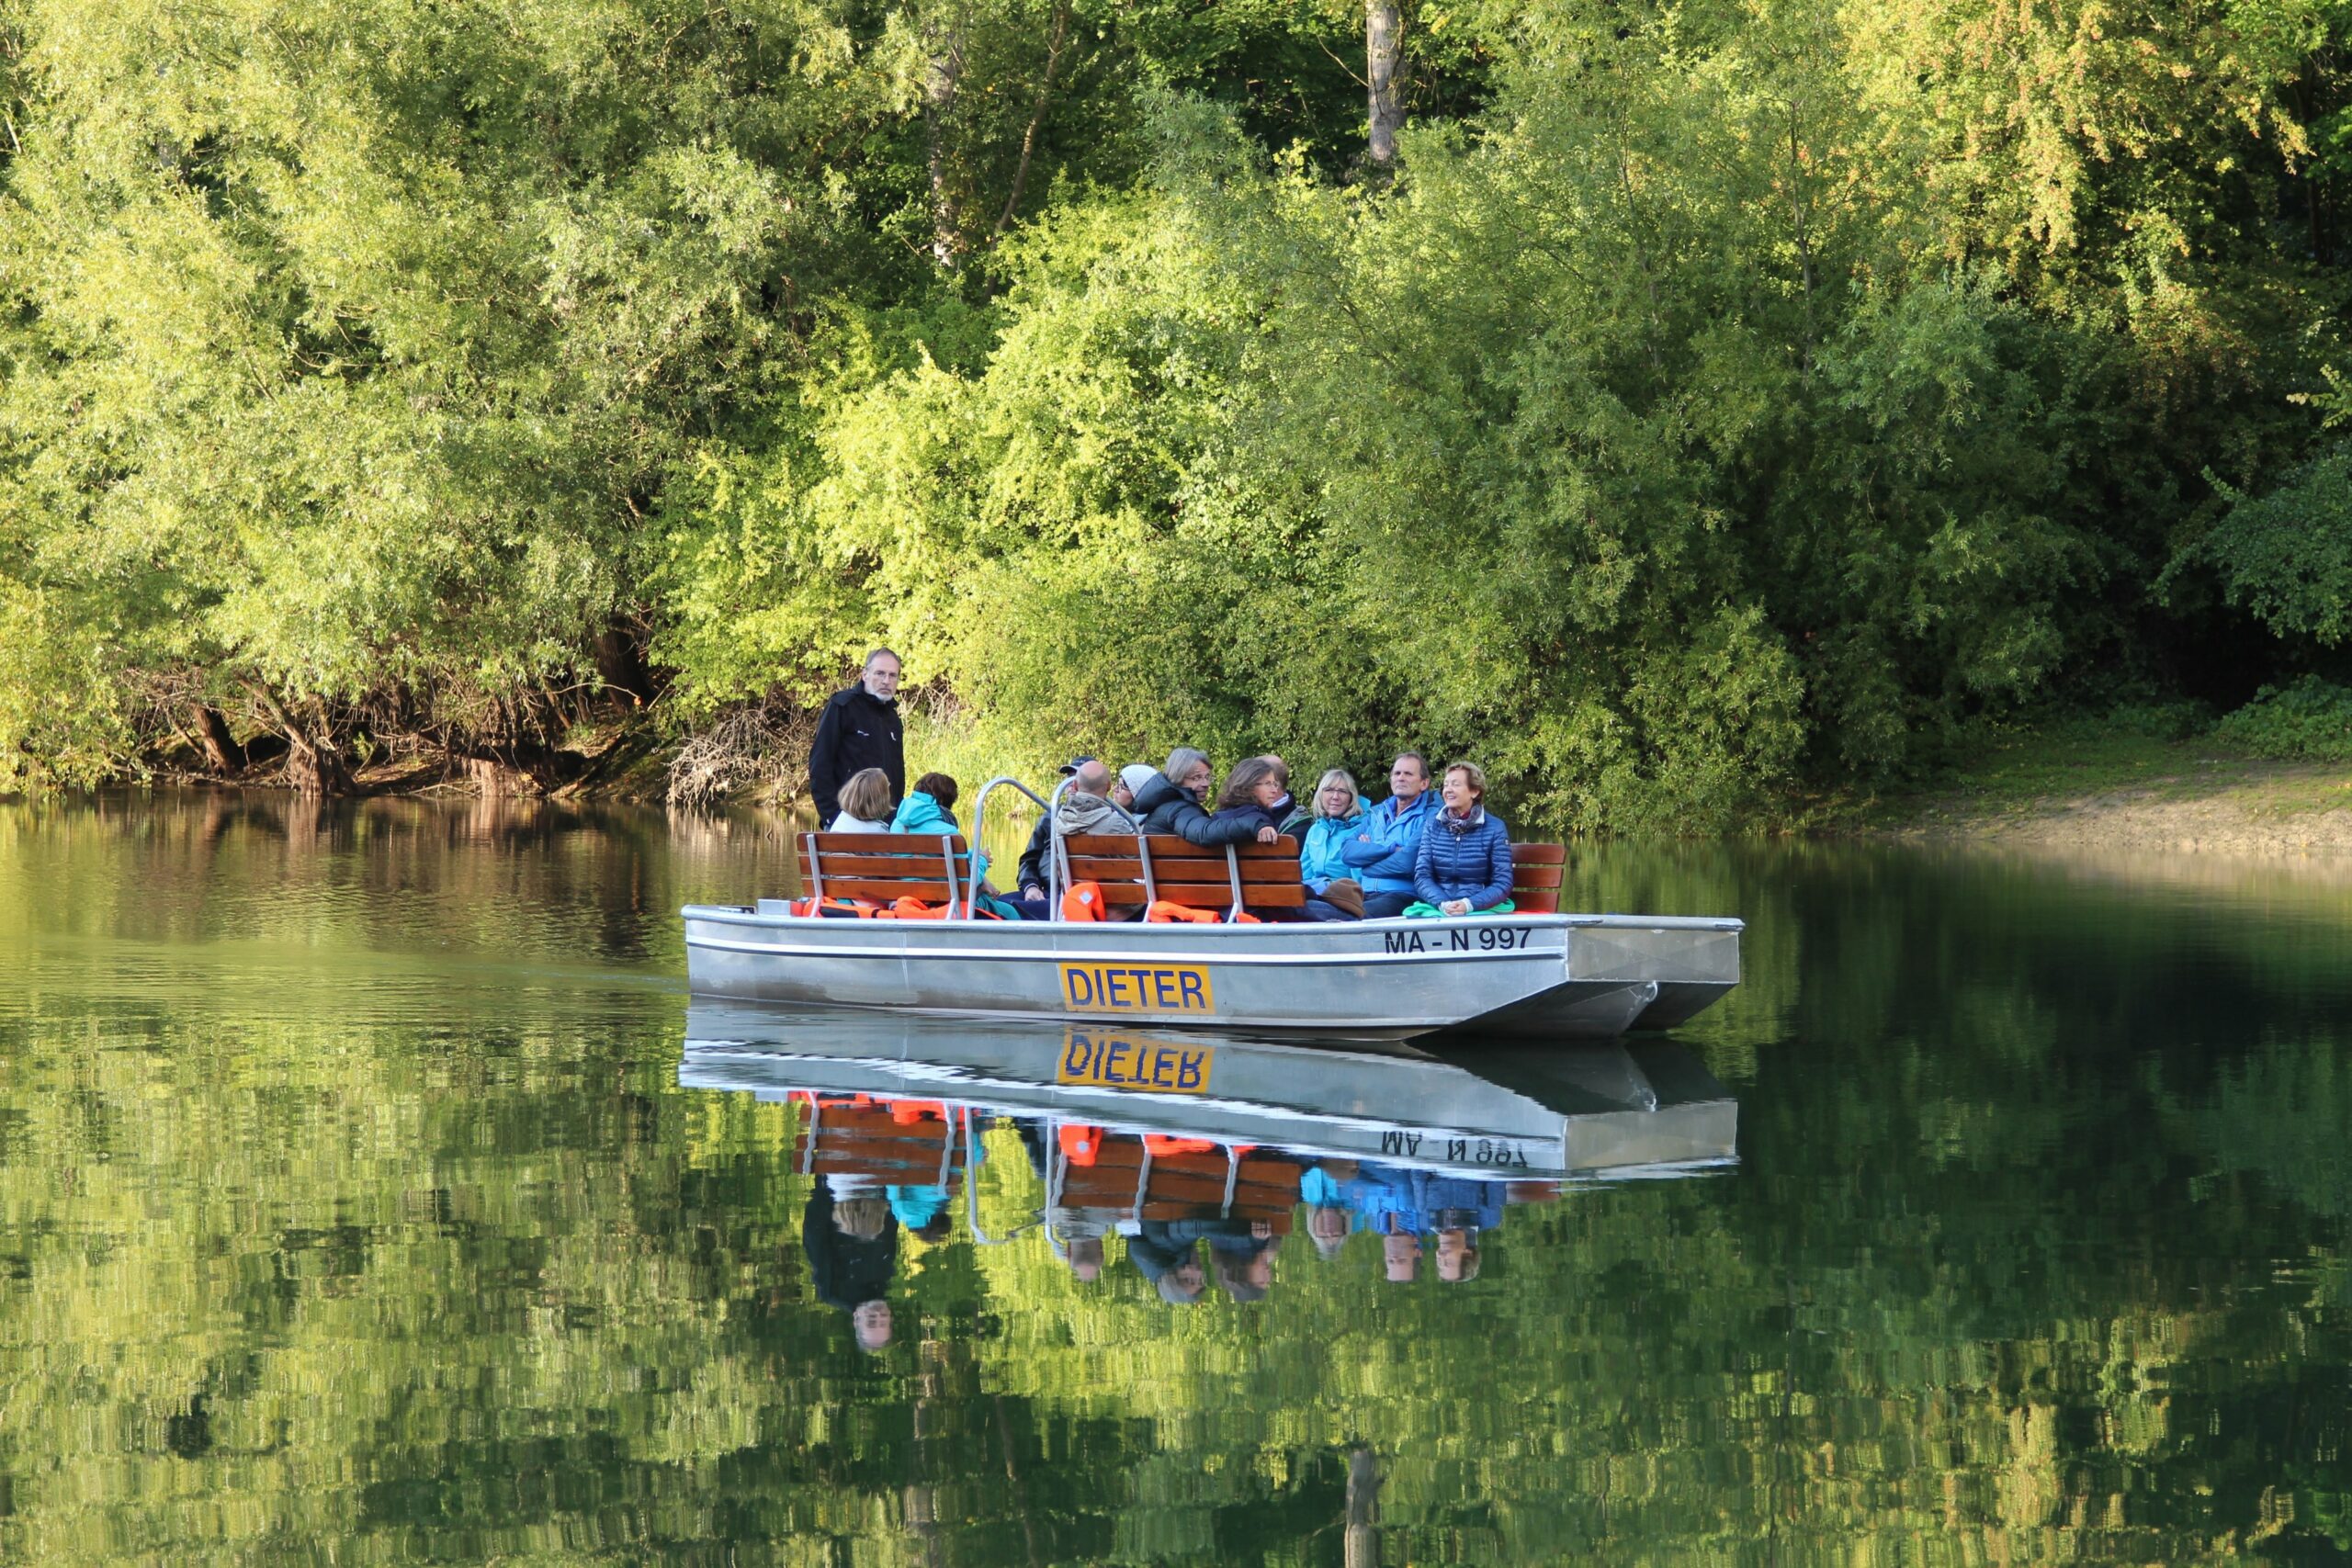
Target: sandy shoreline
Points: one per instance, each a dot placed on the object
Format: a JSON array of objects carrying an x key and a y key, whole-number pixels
[{"x": 2273, "y": 811}]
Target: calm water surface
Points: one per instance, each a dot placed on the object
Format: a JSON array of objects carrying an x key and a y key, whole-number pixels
[{"x": 354, "y": 1209}]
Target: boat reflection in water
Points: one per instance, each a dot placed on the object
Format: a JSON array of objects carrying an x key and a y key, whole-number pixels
[{"x": 1199, "y": 1149}]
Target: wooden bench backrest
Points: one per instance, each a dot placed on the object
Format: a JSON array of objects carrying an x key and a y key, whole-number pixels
[
  {"x": 1184, "y": 874},
  {"x": 881, "y": 867},
  {"x": 868, "y": 1140},
  {"x": 1536, "y": 872},
  {"x": 1181, "y": 1186}
]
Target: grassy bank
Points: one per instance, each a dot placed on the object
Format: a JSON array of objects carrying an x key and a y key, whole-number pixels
[{"x": 2136, "y": 778}]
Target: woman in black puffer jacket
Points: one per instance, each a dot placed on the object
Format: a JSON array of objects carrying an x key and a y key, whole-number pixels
[
  {"x": 1170, "y": 802},
  {"x": 1254, "y": 794}
]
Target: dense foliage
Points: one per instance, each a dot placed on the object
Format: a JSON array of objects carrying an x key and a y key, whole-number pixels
[
  {"x": 2308, "y": 720},
  {"x": 1715, "y": 400}
]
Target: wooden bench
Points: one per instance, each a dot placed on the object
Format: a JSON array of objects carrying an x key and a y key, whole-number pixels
[
  {"x": 1162, "y": 867},
  {"x": 881, "y": 868},
  {"x": 1190, "y": 1185},
  {"x": 1536, "y": 873},
  {"x": 841, "y": 1136}
]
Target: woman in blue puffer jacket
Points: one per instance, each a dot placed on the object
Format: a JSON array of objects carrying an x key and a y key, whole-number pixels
[{"x": 1464, "y": 865}]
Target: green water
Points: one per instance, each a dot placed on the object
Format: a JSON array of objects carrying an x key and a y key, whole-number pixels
[{"x": 350, "y": 1211}]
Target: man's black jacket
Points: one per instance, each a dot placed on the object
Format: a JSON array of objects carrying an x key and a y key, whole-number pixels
[
  {"x": 844, "y": 1270},
  {"x": 858, "y": 731}
]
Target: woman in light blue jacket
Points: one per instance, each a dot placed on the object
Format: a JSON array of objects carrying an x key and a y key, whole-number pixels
[
  {"x": 930, "y": 807},
  {"x": 1338, "y": 816}
]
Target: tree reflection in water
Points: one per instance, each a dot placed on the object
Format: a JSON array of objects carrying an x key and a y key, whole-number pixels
[{"x": 357, "y": 1201}]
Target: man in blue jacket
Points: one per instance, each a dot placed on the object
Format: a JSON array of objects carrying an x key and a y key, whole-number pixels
[{"x": 1383, "y": 853}]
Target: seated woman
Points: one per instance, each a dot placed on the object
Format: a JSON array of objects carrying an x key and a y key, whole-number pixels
[
  {"x": 1252, "y": 798},
  {"x": 1253, "y": 794},
  {"x": 1464, "y": 865},
  {"x": 865, "y": 803},
  {"x": 929, "y": 807},
  {"x": 1170, "y": 802},
  {"x": 1339, "y": 816}
]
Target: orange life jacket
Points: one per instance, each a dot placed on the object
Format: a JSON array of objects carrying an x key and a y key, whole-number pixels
[
  {"x": 913, "y": 909},
  {"x": 1162, "y": 911},
  {"x": 811, "y": 906},
  {"x": 1083, "y": 901},
  {"x": 1163, "y": 1144},
  {"x": 1080, "y": 1145}
]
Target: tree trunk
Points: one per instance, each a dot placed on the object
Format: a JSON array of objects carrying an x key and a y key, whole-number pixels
[
  {"x": 221, "y": 752},
  {"x": 315, "y": 770},
  {"x": 1036, "y": 118},
  {"x": 1360, "y": 1545},
  {"x": 313, "y": 766},
  {"x": 1383, "y": 31},
  {"x": 942, "y": 73},
  {"x": 620, "y": 661},
  {"x": 494, "y": 776}
]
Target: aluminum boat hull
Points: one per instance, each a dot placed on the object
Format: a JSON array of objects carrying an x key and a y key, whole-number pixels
[
  {"x": 1597, "y": 1112},
  {"x": 1533, "y": 977}
]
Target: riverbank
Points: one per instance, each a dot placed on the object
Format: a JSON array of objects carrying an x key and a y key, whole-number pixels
[{"x": 2089, "y": 788}]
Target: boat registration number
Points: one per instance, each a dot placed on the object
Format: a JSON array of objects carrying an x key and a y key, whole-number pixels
[
  {"x": 1135, "y": 987},
  {"x": 1155, "y": 1066}
]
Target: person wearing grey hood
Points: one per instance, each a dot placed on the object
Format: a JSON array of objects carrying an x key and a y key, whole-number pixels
[
  {"x": 1132, "y": 778},
  {"x": 1085, "y": 807}
]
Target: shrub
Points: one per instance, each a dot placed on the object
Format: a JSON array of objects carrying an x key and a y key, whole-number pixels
[{"x": 2309, "y": 720}]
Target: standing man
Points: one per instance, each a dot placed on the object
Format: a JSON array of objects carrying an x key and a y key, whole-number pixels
[
  {"x": 1384, "y": 852},
  {"x": 860, "y": 730}
]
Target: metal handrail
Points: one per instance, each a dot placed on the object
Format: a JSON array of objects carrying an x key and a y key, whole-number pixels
[
  {"x": 980, "y": 823},
  {"x": 972, "y": 1181},
  {"x": 972, "y": 1173},
  {"x": 1055, "y": 862},
  {"x": 1143, "y": 1181},
  {"x": 947, "y": 853},
  {"x": 1054, "y": 848}
]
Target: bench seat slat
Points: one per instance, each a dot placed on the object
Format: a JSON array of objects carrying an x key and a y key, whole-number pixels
[
  {"x": 1168, "y": 847},
  {"x": 1103, "y": 868},
  {"x": 1538, "y": 873},
  {"x": 880, "y": 890},
  {"x": 1201, "y": 896},
  {"x": 892, "y": 865},
  {"x": 883, "y": 844}
]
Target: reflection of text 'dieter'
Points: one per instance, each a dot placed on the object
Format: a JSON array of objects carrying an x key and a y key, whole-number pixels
[
  {"x": 1155, "y": 1066},
  {"x": 1135, "y": 987}
]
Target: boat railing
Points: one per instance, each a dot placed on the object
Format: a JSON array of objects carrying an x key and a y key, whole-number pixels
[
  {"x": 972, "y": 1180},
  {"x": 1057, "y": 863},
  {"x": 980, "y": 828},
  {"x": 1053, "y": 859}
]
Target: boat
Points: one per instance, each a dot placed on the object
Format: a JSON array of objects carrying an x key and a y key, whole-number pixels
[
  {"x": 1536, "y": 973},
  {"x": 1603, "y": 1112}
]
